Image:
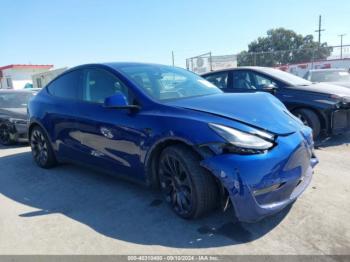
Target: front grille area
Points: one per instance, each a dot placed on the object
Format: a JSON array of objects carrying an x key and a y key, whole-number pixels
[{"x": 341, "y": 120}]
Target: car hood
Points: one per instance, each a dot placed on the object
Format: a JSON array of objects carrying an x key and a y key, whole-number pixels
[
  {"x": 326, "y": 88},
  {"x": 20, "y": 113},
  {"x": 260, "y": 110}
]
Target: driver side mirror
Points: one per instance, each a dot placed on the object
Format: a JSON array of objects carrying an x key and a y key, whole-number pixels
[
  {"x": 271, "y": 88},
  {"x": 119, "y": 101}
]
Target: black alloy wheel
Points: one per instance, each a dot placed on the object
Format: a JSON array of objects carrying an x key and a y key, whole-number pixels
[
  {"x": 176, "y": 185},
  {"x": 310, "y": 119},
  {"x": 189, "y": 189},
  {"x": 41, "y": 149},
  {"x": 5, "y": 135}
]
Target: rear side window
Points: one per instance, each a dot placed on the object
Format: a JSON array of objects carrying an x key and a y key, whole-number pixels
[
  {"x": 219, "y": 79},
  {"x": 66, "y": 86}
]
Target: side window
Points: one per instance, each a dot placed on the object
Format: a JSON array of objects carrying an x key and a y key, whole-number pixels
[
  {"x": 66, "y": 86},
  {"x": 143, "y": 81},
  {"x": 242, "y": 79},
  {"x": 262, "y": 81},
  {"x": 99, "y": 84},
  {"x": 218, "y": 79}
]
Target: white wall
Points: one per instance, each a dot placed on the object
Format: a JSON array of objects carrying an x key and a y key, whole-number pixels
[
  {"x": 19, "y": 76},
  {"x": 46, "y": 77}
]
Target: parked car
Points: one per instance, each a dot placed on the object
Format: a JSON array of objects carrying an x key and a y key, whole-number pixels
[
  {"x": 13, "y": 115},
  {"x": 323, "y": 107},
  {"x": 161, "y": 125},
  {"x": 334, "y": 76}
]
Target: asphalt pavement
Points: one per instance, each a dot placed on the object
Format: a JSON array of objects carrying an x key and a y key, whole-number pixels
[{"x": 73, "y": 210}]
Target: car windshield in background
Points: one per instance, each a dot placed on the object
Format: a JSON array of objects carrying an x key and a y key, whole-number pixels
[
  {"x": 15, "y": 99},
  {"x": 167, "y": 83},
  {"x": 330, "y": 76},
  {"x": 286, "y": 77}
]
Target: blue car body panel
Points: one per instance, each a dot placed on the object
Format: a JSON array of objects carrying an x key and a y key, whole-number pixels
[
  {"x": 121, "y": 142},
  {"x": 288, "y": 164}
]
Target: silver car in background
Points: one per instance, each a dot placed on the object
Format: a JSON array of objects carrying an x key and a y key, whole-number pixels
[{"x": 336, "y": 76}]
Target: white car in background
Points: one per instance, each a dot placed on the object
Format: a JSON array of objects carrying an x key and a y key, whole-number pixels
[{"x": 336, "y": 76}]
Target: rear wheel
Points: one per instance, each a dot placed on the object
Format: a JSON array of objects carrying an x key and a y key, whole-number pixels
[
  {"x": 5, "y": 135},
  {"x": 41, "y": 148},
  {"x": 310, "y": 119},
  {"x": 189, "y": 189}
]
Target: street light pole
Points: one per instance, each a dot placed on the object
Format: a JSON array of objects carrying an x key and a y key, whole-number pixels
[
  {"x": 341, "y": 45},
  {"x": 173, "y": 58}
]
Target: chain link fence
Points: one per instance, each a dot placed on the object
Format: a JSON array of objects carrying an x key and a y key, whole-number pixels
[
  {"x": 296, "y": 61},
  {"x": 207, "y": 62}
]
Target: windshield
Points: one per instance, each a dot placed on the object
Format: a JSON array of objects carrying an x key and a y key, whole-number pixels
[
  {"x": 14, "y": 99},
  {"x": 330, "y": 76},
  {"x": 290, "y": 79},
  {"x": 166, "y": 82}
]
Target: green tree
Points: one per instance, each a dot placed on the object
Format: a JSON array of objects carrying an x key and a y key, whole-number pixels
[{"x": 282, "y": 46}]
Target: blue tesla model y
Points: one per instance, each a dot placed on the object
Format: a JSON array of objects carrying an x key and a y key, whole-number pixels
[{"x": 166, "y": 127}]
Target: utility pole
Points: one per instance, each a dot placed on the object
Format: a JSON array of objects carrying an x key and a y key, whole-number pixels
[
  {"x": 172, "y": 57},
  {"x": 341, "y": 45},
  {"x": 319, "y": 30}
]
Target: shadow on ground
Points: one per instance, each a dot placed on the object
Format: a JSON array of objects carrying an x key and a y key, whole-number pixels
[
  {"x": 116, "y": 208},
  {"x": 337, "y": 140}
]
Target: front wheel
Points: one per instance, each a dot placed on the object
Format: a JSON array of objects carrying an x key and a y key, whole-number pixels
[
  {"x": 189, "y": 189},
  {"x": 5, "y": 135},
  {"x": 41, "y": 148},
  {"x": 310, "y": 119}
]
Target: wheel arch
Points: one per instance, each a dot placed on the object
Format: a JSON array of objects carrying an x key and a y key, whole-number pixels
[
  {"x": 154, "y": 153},
  {"x": 34, "y": 124},
  {"x": 321, "y": 117}
]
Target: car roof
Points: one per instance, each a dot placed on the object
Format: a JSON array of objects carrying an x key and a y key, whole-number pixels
[
  {"x": 257, "y": 68},
  {"x": 115, "y": 65}
]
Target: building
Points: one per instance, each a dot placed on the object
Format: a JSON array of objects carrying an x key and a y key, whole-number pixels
[
  {"x": 42, "y": 79},
  {"x": 18, "y": 76}
]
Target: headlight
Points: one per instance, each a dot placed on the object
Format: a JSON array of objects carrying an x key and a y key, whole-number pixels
[{"x": 249, "y": 142}]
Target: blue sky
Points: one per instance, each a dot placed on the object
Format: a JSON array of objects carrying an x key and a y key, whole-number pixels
[{"x": 72, "y": 32}]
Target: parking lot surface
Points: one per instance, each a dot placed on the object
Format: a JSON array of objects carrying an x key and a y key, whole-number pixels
[{"x": 72, "y": 210}]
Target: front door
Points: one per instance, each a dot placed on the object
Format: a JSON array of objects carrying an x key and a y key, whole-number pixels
[{"x": 110, "y": 138}]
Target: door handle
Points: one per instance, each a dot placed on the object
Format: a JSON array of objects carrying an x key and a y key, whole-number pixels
[{"x": 107, "y": 132}]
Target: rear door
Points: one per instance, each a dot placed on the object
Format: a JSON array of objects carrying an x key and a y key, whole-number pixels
[{"x": 61, "y": 115}]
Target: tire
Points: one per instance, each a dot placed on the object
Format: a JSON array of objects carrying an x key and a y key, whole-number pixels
[
  {"x": 309, "y": 118},
  {"x": 190, "y": 190},
  {"x": 42, "y": 151},
  {"x": 5, "y": 135}
]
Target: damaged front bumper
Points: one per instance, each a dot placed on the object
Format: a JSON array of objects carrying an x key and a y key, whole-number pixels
[
  {"x": 341, "y": 121},
  {"x": 263, "y": 184}
]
